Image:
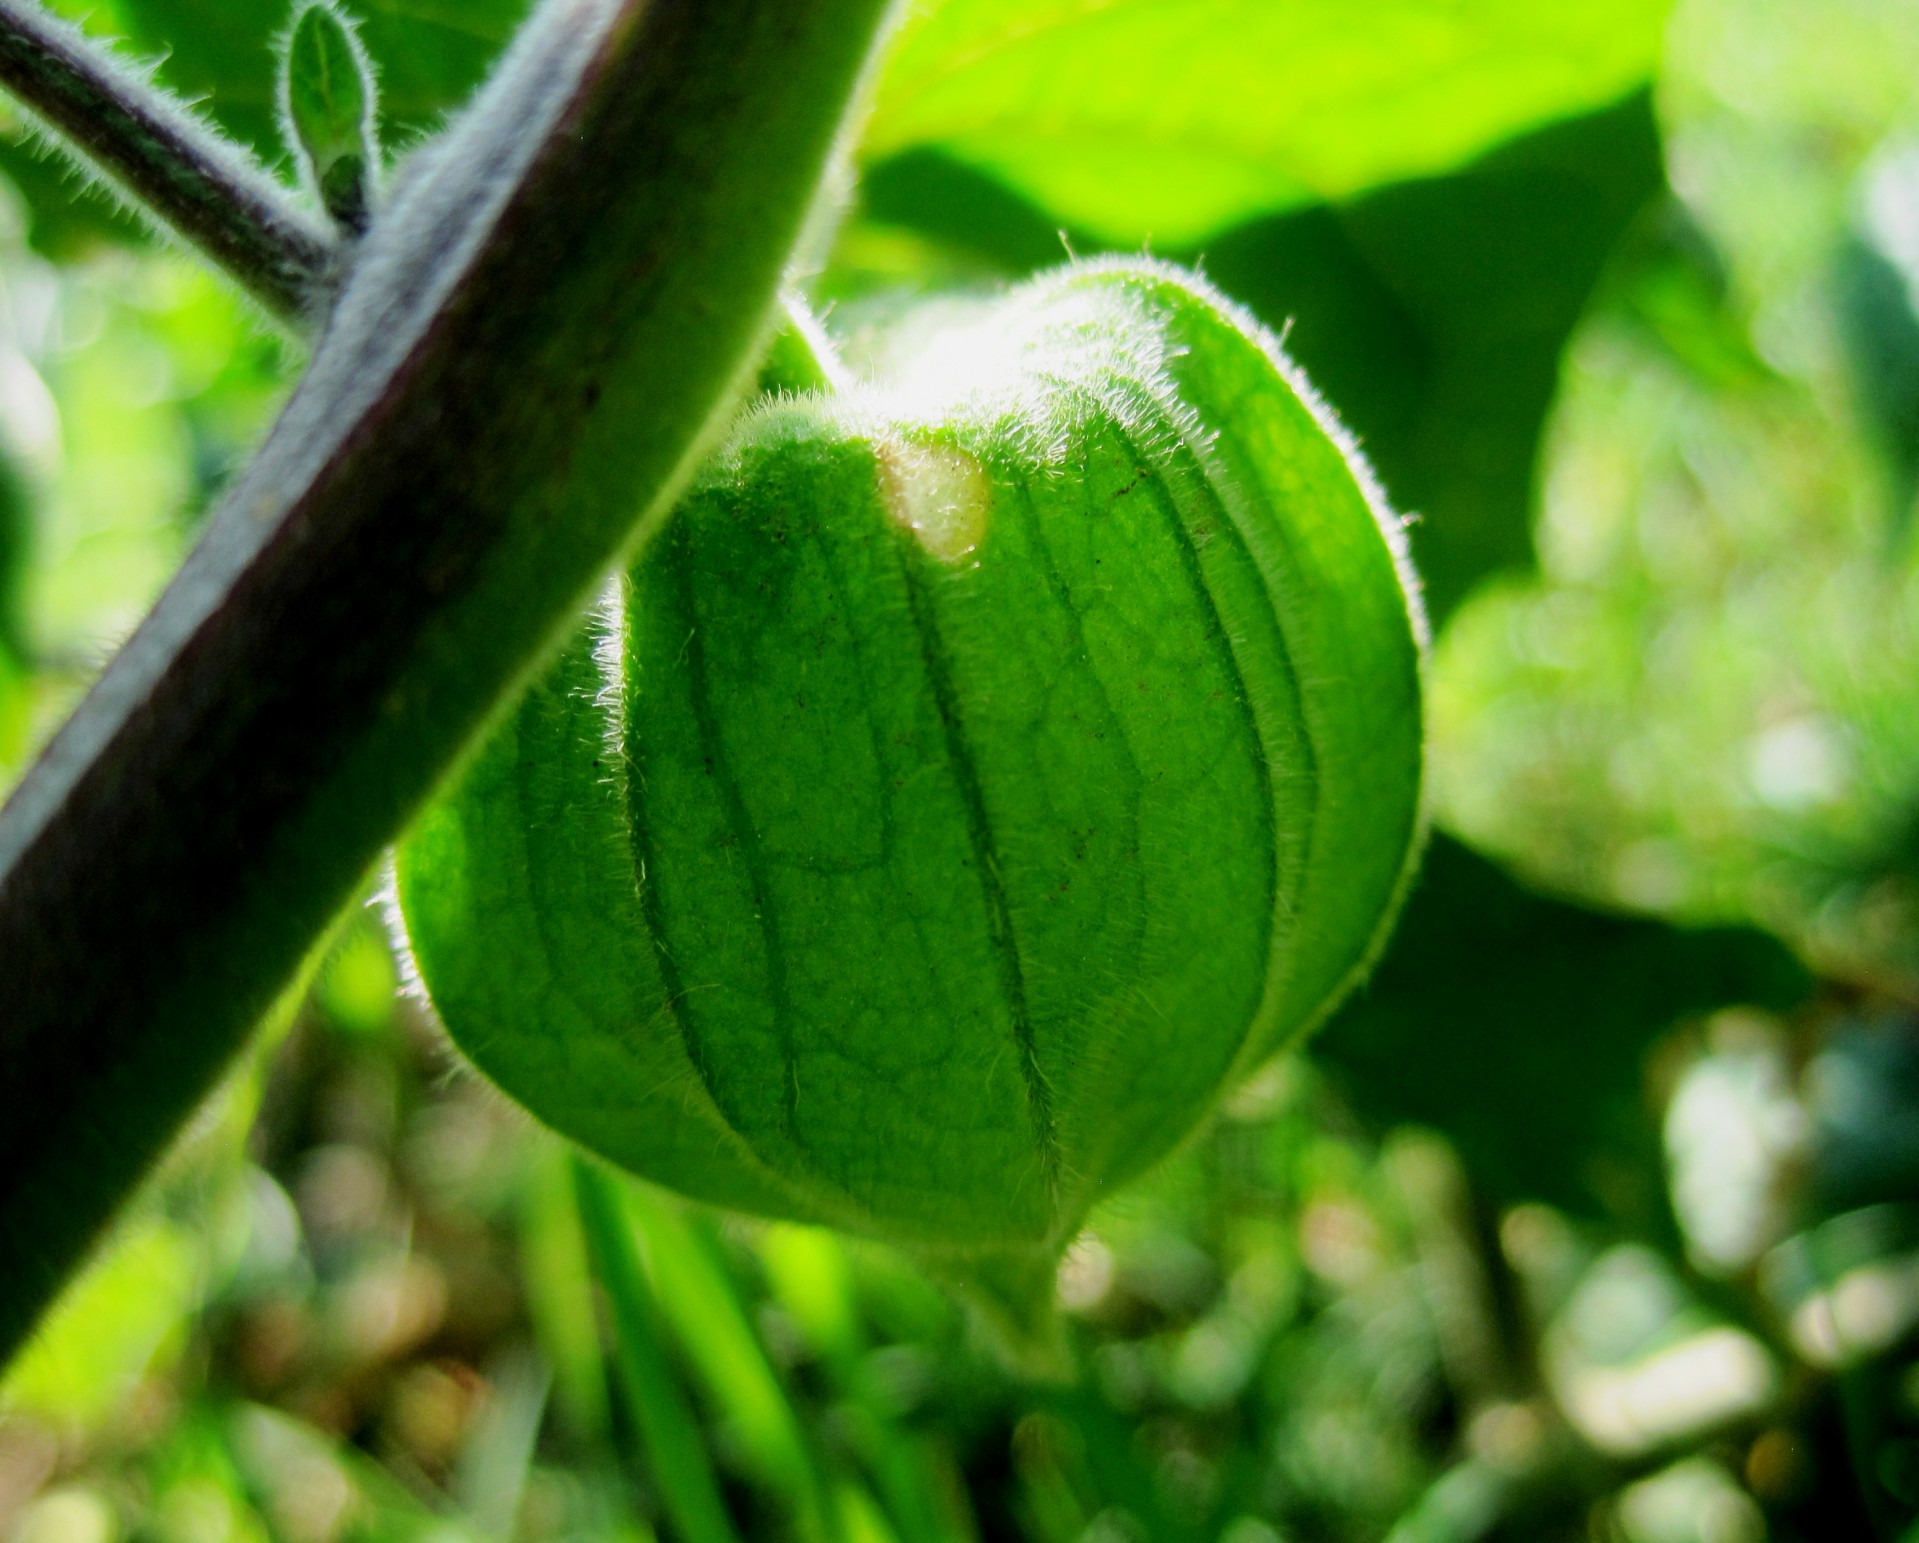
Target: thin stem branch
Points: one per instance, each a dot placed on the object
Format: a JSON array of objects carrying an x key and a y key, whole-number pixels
[{"x": 208, "y": 191}]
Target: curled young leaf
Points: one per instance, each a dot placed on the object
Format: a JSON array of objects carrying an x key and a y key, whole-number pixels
[
  {"x": 327, "y": 103},
  {"x": 968, "y": 784}
]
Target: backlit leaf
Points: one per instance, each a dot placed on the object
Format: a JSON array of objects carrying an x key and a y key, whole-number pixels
[{"x": 1169, "y": 120}]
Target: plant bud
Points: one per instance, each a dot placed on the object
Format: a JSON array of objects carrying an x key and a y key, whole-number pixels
[
  {"x": 968, "y": 783},
  {"x": 327, "y": 103}
]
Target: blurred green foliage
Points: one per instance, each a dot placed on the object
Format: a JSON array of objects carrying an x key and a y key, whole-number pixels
[
  {"x": 1595, "y": 1217},
  {"x": 16, "y": 516},
  {"x": 1171, "y": 120},
  {"x": 1520, "y": 1026}
]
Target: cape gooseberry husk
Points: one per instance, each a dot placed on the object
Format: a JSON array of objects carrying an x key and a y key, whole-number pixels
[{"x": 969, "y": 782}]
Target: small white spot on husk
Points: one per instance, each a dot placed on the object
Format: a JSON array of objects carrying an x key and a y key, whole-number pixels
[{"x": 939, "y": 493}]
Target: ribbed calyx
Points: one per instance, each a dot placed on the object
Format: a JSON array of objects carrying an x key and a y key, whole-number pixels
[{"x": 969, "y": 783}]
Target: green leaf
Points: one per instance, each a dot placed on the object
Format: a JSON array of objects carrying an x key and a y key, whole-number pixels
[
  {"x": 327, "y": 97},
  {"x": 1519, "y": 1026},
  {"x": 1432, "y": 314},
  {"x": 15, "y": 716},
  {"x": 968, "y": 784},
  {"x": 1169, "y": 120},
  {"x": 558, "y": 1283},
  {"x": 811, "y": 1277}
]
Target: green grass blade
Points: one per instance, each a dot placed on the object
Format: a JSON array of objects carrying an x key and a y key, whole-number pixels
[{"x": 677, "y": 1458}]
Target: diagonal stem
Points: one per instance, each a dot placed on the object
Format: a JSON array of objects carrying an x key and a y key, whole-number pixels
[
  {"x": 210, "y": 192},
  {"x": 557, "y": 308}
]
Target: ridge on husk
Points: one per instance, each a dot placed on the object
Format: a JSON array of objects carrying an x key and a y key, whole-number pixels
[{"x": 971, "y": 781}]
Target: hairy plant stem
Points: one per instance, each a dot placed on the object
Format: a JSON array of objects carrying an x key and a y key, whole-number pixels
[
  {"x": 558, "y": 305},
  {"x": 171, "y": 164}
]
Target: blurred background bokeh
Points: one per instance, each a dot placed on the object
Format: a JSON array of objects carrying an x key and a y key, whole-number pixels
[{"x": 1595, "y": 1216}]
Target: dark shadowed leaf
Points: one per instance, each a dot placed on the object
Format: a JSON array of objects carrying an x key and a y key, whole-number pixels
[
  {"x": 1881, "y": 335},
  {"x": 1518, "y": 1025},
  {"x": 1864, "y": 1093},
  {"x": 68, "y": 213},
  {"x": 1433, "y": 313}
]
